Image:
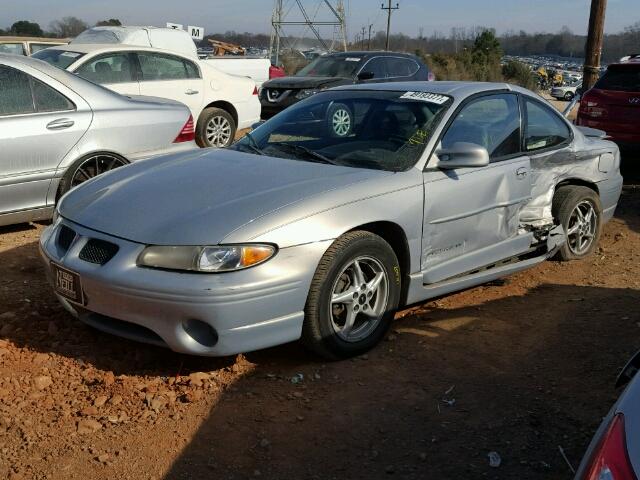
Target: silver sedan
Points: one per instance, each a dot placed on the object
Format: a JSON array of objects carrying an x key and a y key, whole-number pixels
[
  {"x": 58, "y": 130},
  {"x": 330, "y": 216}
]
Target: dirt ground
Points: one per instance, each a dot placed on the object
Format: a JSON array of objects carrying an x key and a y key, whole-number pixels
[{"x": 523, "y": 367}]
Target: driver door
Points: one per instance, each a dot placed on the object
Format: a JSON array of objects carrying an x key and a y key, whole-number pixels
[{"x": 471, "y": 215}]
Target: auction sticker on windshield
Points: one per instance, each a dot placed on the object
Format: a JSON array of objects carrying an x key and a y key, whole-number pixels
[{"x": 426, "y": 97}]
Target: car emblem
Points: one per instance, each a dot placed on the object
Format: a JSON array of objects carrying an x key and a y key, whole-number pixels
[{"x": 635, "y": 100}]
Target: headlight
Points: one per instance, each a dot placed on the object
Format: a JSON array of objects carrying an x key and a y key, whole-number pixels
[
  {"x": 224, "y": 258},
  {"x": 302, "y": 94}
]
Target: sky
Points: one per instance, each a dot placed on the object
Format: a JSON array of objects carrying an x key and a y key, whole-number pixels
[{"x": 255, "y": 15}]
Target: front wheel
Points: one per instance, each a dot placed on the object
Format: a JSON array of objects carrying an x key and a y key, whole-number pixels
[
  {"x": 353, "y": 296},
  {"x": 216, "y": 128},
  {"x": 578, "y": 210},
  {"x": 568, "y": 96}
]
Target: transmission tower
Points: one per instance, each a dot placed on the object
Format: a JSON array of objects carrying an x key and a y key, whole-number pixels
[{"x": 289, "y": 13}]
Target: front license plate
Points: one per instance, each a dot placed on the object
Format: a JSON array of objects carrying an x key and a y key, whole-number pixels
[{"x": 67, "y": 284}]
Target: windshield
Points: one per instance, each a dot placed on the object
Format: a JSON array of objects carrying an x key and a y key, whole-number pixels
[
  {"x": 622, "y": 79},
  {"x": 331, "y": 67},
  {"x": 379, "y": 130},
  {"x": 58, "y": 58}
]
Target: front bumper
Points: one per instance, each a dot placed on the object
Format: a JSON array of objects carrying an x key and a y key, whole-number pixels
[{"x": 247, "y": 310}]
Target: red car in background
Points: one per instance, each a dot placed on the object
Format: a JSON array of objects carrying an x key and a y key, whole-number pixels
[{"x": 613, "y": 104}]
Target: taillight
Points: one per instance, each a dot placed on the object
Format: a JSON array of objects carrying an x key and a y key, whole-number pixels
[
  {"x": 611, "y": 459},
  {"x": 188, "y": 133},
  {"x": 591, "y": 107},
  {"x": 255, "y": 90}
]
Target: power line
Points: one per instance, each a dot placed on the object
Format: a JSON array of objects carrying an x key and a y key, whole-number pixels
[{"x": 389, "y": 10}]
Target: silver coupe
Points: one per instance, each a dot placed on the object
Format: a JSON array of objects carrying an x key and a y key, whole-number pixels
[
  {"x": 327, "y": 218},
  {"x": 58, "y": 130}
]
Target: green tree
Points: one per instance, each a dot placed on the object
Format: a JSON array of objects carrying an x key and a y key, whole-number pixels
[
  {"x": 112, "y": 22},
  {"x": 26, "y": 28}
]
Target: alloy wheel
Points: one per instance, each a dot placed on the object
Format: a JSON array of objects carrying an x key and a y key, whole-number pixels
[
  {"x": 94, "y": 166},
  {"x": 341, "y": 122},
  {"x": 218, "y": 131},
  {"x": 582, "y": 226},
  {"x": 359, "y": 299}
]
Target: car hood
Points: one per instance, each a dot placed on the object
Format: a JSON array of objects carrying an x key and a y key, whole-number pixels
[
  {"x": 199, "y": 198},
  {"x": 306, "y": 82}
]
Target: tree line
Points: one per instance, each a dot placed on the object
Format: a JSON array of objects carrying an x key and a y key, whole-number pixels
[{"x": 564, "y": 43}]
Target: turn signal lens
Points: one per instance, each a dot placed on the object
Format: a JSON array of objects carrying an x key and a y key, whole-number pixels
[{"x": 611, "y": 459}]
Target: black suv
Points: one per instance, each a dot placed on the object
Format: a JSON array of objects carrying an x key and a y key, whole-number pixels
[{"x": 340, "y": 69}]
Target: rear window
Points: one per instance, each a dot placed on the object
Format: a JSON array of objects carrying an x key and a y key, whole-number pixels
[
  {"x": 622, "y": 78},
  {"x": 58, "y": 58}
]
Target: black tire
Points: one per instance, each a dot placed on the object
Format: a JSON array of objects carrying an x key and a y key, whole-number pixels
[
  {"x": 339, "y": 120},
  {"x": 213, "y": 114},
  {"x": 565, "y": 202},
  {"x": 106, "y": 162},
  {"x": 568, "y": 96},
  {"x": 319, "y": 333}
]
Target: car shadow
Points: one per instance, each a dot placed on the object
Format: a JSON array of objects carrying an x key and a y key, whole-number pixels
[{"x": 519, "y": 375}]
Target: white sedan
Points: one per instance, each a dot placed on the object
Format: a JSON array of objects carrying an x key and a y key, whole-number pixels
[{"x": 219, "y": 102}]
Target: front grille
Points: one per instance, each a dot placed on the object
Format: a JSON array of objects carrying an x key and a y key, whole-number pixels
[
  {"x": 98, "y": 251},
  {"x": 65, "y": 237}
]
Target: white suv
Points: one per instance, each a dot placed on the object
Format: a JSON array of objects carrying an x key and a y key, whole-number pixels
[{"x": 220, "y": 103}]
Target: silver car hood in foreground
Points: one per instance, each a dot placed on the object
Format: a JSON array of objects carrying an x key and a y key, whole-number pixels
[{"x": 199, "y": 198}]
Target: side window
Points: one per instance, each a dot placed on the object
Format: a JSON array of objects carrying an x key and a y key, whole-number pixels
[
  {"x": 377, "y": 66},
  {"x": 491, "y": 121},
  {"x": 401, "y": 67},
  {"x": 544, "y": 128},
  {"x": 163, "y": 67},
  {"x": 192, "y": 70},
  {"x": 16, "y": 95},
  {"x": 49, "y": 100},
  {"x": 12, "y": 48},
  {"x": 106, "y": 69}
]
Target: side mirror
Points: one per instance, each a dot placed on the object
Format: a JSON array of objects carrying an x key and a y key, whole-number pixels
[
  {"x": 257, "y": 124},
  {"x": 462, "y": 155},
  {"x": 366, "y": 75}
]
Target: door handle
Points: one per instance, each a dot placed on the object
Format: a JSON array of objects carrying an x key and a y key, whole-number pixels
[
  {"x": 192, "y": 92},
  {"x": 521, "y": 173},
  {"x": 60, "y": 124}
]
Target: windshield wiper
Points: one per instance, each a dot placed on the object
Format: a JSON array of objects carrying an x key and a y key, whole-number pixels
[
  {"x": 253, "y": 145},
  {"x": 315, "y": 156}
]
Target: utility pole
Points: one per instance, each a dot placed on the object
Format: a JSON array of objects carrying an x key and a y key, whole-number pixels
[
  {"x": 370, "y": 27},
  {"x": 364, "y": 36},
  {"x": 389, "y": 10},
  {"x": 594, "y": 43}
]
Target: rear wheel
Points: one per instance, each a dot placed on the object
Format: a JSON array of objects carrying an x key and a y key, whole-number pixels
[
  {"x": 568, "y": 96},
  {"x": 340, "y": 120},
  {"x": 353, "y": 296},
  {"x": 578, "y": 210},
  {"x": 88, "y": 167},
  {"x": 216, "y": 128}
]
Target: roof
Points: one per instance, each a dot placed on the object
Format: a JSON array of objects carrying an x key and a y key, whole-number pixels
[
  {"x": 454, "y": 89},
  {"x": 370, "y": 53},
  {"x": 109, "y": 47},
  {"x": 33, "y": 39}
]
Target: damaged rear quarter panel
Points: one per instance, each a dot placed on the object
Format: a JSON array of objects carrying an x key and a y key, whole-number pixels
[{"x": 580, "y": 162}]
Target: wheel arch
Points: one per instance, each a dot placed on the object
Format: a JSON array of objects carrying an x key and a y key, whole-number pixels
[
  {"x": 578, "y": 182},
  {"x": 81, "y": 158},
  {"x": 395, "y": 236},
  {"x": 223, "y": 105}
]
